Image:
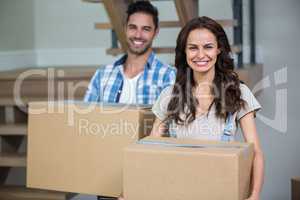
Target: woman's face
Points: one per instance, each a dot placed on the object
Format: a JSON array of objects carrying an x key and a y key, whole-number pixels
[{"x": 201, "y": 51}]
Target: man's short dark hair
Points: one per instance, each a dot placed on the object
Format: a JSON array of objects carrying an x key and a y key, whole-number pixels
[{"x": 143, "y": 7}]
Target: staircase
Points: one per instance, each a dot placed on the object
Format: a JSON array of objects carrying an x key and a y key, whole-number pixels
[
  {"x": 22, "y": 193},
  {"x": 250, "y": 73}
]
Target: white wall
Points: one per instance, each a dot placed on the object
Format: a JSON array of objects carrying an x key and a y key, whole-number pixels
[
  {"x": 16, "y": 34},
  {"x": 17, "y": 27},
  {"x": 62, "y": 31},
  {"x": 69, "y": 38},
  {"x": 65, "y": 33},
  {"x": 277, "y": 33}
]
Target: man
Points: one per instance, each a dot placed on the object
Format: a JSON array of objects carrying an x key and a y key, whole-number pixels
[{"x": 138, "y": 77}]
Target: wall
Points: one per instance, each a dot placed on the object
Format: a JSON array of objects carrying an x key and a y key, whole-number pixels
[
  {"x": 277, "y": 34},
  {"x": 16, "y": 34},
  {"x": 69, "y": 38}
]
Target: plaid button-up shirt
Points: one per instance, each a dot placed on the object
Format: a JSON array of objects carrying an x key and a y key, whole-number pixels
[{"x": 106, "y": 84}]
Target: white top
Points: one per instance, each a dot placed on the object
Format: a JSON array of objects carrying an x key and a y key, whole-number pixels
[
  {"x": 207, "y": 127},
  {"x": 128, "y": 94}
]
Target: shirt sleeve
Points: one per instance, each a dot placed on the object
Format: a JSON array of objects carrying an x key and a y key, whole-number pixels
[
  {"x": 160, "y": 107},
  {"x": 251, "y": 103},
  {"x": 93, "y": 92},
  {"x": 169, "y": 77}
]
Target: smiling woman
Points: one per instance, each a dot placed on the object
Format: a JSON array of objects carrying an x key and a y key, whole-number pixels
[
  {"x": 201, "y": 52},
  {"x": 208, "y": 101}
]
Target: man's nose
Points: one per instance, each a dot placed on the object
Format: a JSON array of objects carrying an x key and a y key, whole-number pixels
[{"x": 138, "y": 33}]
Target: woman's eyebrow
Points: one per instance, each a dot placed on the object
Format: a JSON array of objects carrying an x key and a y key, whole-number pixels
[{"x": 191, "y": 44}]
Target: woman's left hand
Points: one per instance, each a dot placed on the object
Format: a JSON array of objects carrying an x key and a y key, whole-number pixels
[
  {"x": 121, "y": 198},
  {"x": 253, "y": 197}
]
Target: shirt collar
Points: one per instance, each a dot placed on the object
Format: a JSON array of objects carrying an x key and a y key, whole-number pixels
[{"x": 122, "y": 60}]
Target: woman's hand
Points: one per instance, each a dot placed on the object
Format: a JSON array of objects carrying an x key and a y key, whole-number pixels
[
  {"x": 252, "y": 197},
  {"x": 121, "y": 197},
  {"x": 158, "y": 128}
]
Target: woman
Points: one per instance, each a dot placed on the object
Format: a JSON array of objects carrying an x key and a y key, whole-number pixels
[{"x": 208, "y": 101}]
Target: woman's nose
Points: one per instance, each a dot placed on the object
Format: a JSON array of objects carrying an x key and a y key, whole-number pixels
[{"x": 200, "y": 53}]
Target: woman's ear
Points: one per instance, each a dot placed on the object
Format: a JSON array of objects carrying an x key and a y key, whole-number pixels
[{"x": 219, "y": 51}]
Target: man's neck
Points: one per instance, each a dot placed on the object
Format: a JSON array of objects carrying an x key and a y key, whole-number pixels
[{"x": 135, "y": 64}]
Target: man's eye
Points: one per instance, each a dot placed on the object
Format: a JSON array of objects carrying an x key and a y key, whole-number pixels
[{"x": 131, "y": 27}]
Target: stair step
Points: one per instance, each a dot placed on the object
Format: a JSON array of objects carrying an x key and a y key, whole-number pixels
[
  {"x": 13, "y": 129},
  {"x": 100, "y": 1},
  {"x": 9, "y": 101},
  {"x": 116, "y": 51},
  {"x": 23, "y": 193},
  {"x": 172, "y": 24},
  {"x": 251, "y": 74},
  {"x": 12, "y": 159}
]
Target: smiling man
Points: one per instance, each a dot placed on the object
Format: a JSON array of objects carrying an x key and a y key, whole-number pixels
[{"x": 138, "y": 77}]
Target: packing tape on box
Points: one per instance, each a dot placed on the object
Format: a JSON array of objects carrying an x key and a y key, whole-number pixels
[{"x": 170, "y": 144}]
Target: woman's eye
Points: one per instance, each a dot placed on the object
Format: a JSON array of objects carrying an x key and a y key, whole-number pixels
[{"x": 209, "y": 47}]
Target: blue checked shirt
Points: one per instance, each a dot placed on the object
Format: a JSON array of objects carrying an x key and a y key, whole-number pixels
[{"x": 106, "y": 84}]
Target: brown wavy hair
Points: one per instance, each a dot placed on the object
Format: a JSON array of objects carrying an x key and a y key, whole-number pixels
[{"x": 226, "y": 90}]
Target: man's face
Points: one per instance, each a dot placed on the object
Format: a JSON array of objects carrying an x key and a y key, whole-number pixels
[{"x": 140, "y": 32}]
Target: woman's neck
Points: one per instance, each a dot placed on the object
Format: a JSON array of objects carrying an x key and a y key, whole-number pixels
[
  {"x": 204, "y": 82},
  {"x": 203, "y": 90}
]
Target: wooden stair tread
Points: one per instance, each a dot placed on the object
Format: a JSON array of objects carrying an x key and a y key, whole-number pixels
[
  {"x": 13, "y": 129},
  {"x": 100, "y": 1},
  {"x": 71, "y": 72},
  {"x": 12, "y": 160},
  {"x": 297, "y": 178},
  {"x": 173, "y": 24},
  {"x": 25, "y": 100},
  {"x": 9, "y": 101},
  {"x": 251, "y": 74},
  {"x": 23, "y": 193},
  {"x": 116, "y": 51}
]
